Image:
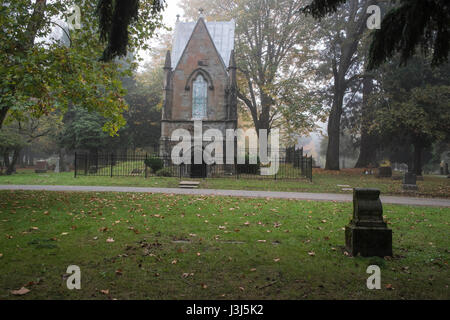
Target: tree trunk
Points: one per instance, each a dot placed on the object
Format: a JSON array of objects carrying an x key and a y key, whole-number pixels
[
  {"x": 11, "y": 165},
  {"x": 3, "y": 113},
  {"x": 417, "y": 164},
  {"x": 62, "y": 163},
  {"x": 35, "y": 23},
  {"x": 334, "y": 129},
  {"x": 367, "y": 150}
]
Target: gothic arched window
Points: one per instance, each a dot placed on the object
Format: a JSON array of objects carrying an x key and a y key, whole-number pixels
[{"x": 199, "y": 97}]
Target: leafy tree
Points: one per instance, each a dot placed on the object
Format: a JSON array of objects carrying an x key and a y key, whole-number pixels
[
  {"x": 119, "y": 18},
  {"x": 41, "y": 75},
  {"x": 411, "y": 24},
  {"x": 273, "y": 56},
  {"x": 341, "y": 66},
  {"x": 83, "y": 131},
  {"x": 413, "y": 103},
  {"x": 10, "y": 145},
  {"x": 22, "y": 132},
  {"x": 144, "y": 97}
]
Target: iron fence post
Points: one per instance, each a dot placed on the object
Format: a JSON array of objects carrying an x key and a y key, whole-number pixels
[
  {"x": 75, "y": 165},
  {"x": 112, "y": 158},
  {"x": 85, "y": 164},
  {"x": 145, "y": 162}
]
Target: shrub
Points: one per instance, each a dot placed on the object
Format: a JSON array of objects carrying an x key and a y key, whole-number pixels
[
  {"x": 164, "y": 172},
  {"x": 154, "y": 163}
]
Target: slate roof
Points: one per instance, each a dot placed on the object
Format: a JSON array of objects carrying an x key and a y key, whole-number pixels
[{"x": 221, "y": 32}]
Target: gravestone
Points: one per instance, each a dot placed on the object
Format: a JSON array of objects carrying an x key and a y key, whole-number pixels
[
  {"x": 367, "y": 234},
  {"x": 384, "y": 172},
  {"x": 41, "y": 166},
  {"x": 409, "y": 181}
]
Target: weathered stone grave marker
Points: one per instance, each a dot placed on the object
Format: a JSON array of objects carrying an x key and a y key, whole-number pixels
[
  {"x": 367, "y": 234},
  {"x": 409, "y": 181},
  {"x": 384, "y": 172},
  {"x": 41, "y": 166}
]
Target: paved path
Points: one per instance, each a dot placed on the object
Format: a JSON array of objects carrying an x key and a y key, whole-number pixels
[{"x": 434, "y": 202}]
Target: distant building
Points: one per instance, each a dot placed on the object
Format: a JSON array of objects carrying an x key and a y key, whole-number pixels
[{"x": 199, "y": 80}]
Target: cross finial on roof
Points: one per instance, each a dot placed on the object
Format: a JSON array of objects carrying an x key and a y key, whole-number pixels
[
  {"x": 201, "y": 12},
  {"x": 178, "y": 17}
]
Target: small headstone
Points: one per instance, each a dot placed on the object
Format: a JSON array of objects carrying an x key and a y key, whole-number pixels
[
  {"x": 367, "y": 234},
  {"x": 409, "y": 181},
  {"x": 41, "y": 166},
  {"x": 384, "y": 172},
  {"x": 347, "y": 189}
]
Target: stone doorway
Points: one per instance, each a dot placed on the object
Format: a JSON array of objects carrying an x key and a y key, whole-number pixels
[{"x": 198, "y": 170}]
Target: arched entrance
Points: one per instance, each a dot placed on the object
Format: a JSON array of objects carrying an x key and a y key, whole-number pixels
[{"x": 197, "y": 170}]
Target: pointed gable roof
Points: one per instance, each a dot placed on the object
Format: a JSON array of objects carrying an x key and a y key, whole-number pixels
[{"x": 221, "y": 33}]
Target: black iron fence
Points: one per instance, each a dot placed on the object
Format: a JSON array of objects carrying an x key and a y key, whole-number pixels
[{"x": 292, "y": 164}]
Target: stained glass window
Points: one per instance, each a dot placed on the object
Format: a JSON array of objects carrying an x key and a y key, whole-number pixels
[{"x": 199, "y": 98}]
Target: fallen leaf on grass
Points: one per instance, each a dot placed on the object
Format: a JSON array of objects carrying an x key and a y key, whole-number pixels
[
  {"x": 276, "y": 259},
  {"x": 109, "y": 240},
  {"x": 389, "y": 286},
  {"x": 119, "y": 272},
  {"x": 253, "y": 269},
  {"x": 187, "y": 274},
  {"x": 20, "y": 292},
  {"x": 204, "y": 286},
  {"x": 311, "y": 253},
  {"x": 105, "y": 291}
]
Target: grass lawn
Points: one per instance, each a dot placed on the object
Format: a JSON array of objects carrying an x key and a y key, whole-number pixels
[
  {"x": 183, "y": 247},
  {"x": 323, "y": 181}
]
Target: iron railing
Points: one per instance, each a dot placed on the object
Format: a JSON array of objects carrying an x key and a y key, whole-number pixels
[{"x": 292, "y": 165}]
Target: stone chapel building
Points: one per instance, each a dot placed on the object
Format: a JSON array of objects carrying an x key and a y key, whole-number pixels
[{"x": 199, "y": 80}]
